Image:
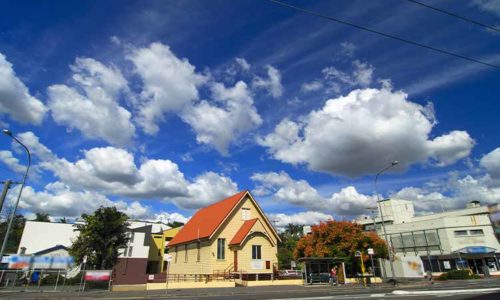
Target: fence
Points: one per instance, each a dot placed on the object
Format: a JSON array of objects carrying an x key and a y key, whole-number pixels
[{"x": 47, "y": 280}]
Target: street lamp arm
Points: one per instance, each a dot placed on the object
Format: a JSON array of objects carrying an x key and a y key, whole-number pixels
[{"x": 27, "y": 151}]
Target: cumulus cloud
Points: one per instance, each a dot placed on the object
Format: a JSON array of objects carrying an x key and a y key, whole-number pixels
[
  {"x": 169, "y": 84},
  {"x": 272, "y": 83},
  {"x": 91, "y": 104},
  {"x": 59, "y": 200},
  {"x": 12, "y": 162},
  {"x": 220, "y": 123},
  {"x": 423, "y": 199},
  {"x": 347, "y": 202},
  {"x": 362, "y": 132},
  {"x": 166, "y": 217},
  {"x": 284, "y": 188},
  {"x": 206, "y": 189},
  {"x": 113, "y": 171},
  {"x": 449, "y": 148},
  {"x": 491, "y": 162},
  {"x": 281, "y": 220},
  {"x": 15, "y": 98}
]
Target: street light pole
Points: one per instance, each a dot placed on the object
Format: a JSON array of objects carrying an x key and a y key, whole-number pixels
[
  {"x": 13, "y": 214},
  {"x": 382, "y": 219}
]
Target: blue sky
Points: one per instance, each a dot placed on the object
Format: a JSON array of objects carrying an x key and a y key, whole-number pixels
[{"x": 162, "y": 107}]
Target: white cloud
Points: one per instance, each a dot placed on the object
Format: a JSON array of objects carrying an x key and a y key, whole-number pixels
[
  {"x": 32, "y": 142},
  {"x": 346, "y": 202},
  {"x": 423, "y": 200},
  {"x": 111, "y": 164},
  {"x": 347, "y": 48},
  {"x": 349, "y": 202},
  {"x": 449, "y": 148},
  {"x": 284, "y": 188},
  {"x": 491, "y": 162},
  {"x": 362, "y": 132},
  {"x": 312, "y": 86},
  {"x": 166, "y": 217},
  {"x": 113, "y": 171},
  {"x": 15, "y": 98},
  {"x": 492, "y": 6},
  {"x": 360, "y": 76},
  {"x": 206, "y": 189},
  {"x": 272, "y": 84},
  {"x": 169, "y": 84},
  {"x": 12, "y": 162},
  {"x": 95, "y": 111},
  {"x": 219, "y": 125},
  {"x": 302, "y": 218},
  {"x": 59, "y": 200},
  {"x": 244, "y": 65}
]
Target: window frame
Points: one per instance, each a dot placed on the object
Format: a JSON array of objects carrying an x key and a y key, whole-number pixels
[
  {"x": 221, "y": 251},
  {"x": 245, "y": 214},
  {"x": 256, "y": 252},
  {"x": 198, "y": 254},
  {"x": 480, "y": 232},
  {"x": 460, "y": 233}
]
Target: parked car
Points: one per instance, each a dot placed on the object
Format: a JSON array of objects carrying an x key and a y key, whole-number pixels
[{"x": 290, "y": 273}]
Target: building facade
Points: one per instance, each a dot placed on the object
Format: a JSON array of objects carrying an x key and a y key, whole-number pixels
[
  {"x": 437, "y": 242},
  {"x": 232, "y": 235}
]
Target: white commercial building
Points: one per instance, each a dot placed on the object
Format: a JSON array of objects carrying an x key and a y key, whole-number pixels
[
  {"x": 437, "y": 242},
  {"x": 42, "y": 236}
]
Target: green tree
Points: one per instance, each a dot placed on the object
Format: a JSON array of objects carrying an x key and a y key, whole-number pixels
[
  {"x": 41, "y": 217},
  {"x": 102, "y": 235},
  {"x": 63, "y": 220},
  {"x": 175, "y": 224},
  {"x": 289, "y": 238},
  {"x": 15, "y": 233}
]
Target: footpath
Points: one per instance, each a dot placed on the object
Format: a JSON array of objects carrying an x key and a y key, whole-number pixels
[{"x": 292, "y": 291}]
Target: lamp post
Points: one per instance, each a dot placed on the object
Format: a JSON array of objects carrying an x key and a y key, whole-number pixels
[
  {"x": 382, "y": 219},
  {"x": 13, "y": 214}
]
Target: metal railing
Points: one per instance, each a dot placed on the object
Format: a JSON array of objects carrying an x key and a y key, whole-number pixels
[{"x": 46, "y": 280}]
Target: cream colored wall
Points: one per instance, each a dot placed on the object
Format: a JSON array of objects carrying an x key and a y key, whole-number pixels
[
  {"x": 209, "y": 263},
  {"x": 268, "y": 253},
  {"x": 233, "y": 224},
  {"x": 191, "y": 266}
]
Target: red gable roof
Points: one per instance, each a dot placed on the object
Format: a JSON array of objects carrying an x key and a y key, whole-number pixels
[
  {"x": 206, "y": 220},
  {"x": 242, "y": 232}
]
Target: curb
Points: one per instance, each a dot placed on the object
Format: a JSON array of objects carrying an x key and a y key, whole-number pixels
[{"x": 469, "y": 291}]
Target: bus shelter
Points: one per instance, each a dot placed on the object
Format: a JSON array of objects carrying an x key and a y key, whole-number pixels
[{"x": 317, "y": 269}]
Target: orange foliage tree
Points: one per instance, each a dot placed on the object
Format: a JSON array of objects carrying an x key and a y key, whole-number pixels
[{"x": 339, "y": 239}]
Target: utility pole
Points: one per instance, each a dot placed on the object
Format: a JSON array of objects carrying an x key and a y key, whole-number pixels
[
  {"x": 389, "y": 246},
  {"x": 6, "y": 186},
  {"x": 13, "y": 214}
]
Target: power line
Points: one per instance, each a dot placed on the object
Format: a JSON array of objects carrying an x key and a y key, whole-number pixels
[
  {"x": 384, "y": 34},
  {"x": 455, "y": 15}
]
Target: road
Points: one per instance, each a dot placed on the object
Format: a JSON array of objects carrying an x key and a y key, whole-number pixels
[{"x": 474, "y": 289}]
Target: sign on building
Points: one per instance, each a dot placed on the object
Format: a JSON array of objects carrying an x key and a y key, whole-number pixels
[
  {"x": 99, "y": 275},
  {"x": 38, "y": 262},
  {"x": 257, "y": 264}
]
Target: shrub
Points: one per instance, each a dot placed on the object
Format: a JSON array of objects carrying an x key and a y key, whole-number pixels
[{"x": 458, "y": 275}]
